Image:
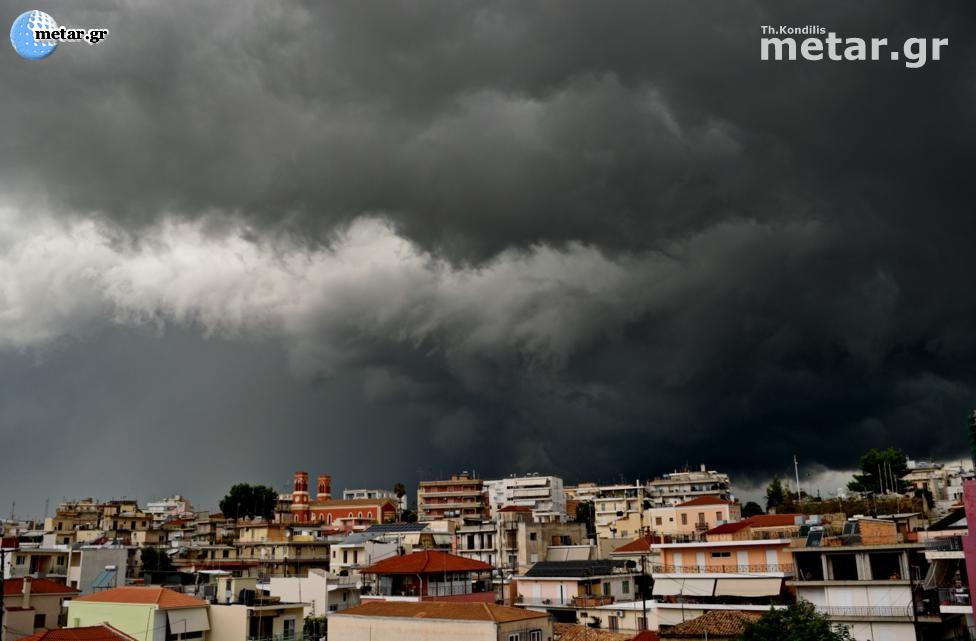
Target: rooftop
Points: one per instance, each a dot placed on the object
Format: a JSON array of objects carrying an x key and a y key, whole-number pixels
[
  {"x": 103, "y": 632},
  {"x": 442, "y": 610},
  {"x": 760, "y": 520},
  {"x": 712, "y": 624},
  {"x": 145, "y": 595},
  {"x": 705, "y": 500},
  {"x": 574, "y": 632},
  {"x": 14, "y": 587},
  {"x": 574, "y": 569},
  {"x": 426, "y": 562}
]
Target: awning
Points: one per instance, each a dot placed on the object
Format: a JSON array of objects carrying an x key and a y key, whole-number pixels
[
  {"x": 194, "y": 620},
  {"x": 939, "y": 569},
  {"x": 685, "y": 587},
  {"x": 748, "y": 587}
]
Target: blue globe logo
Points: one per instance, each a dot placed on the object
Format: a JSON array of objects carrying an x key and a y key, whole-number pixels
[{"x": 22, "y": 35}]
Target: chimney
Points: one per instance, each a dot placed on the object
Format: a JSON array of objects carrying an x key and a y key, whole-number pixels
[
  {"x": 25, "y": 603},
  {"x": 703, "y": 468},
  {"x": 324, "y": 492}
]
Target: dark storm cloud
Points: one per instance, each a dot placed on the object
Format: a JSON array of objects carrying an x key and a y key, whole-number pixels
[{"x": 656, "y": 249}]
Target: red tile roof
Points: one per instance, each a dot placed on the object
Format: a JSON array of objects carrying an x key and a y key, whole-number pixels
[
  {"x": 14, "y": 587},
  {"x": 722, "y": 624},
  {"x": 441, "y": 610},
  {"x": 426, "y": 562},
  {"x": 760, "y": 520},
  {"x": 103, "y": 632},
  {"x": 145, "y": 595},
  {"x": 574, "y": 632},
  {"x": 641, "y": 545},
  {"x": 705, "y": 500},
  {"x": 646, "y": 635},
  {"x": 515, "y": 508}
]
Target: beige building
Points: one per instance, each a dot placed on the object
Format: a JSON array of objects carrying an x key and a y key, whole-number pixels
[
  {"x": 693, "y": 518},
  {"x": 31, "y": 605},
  {"x": 458, "y": 498},
  {"x": 439, "y": 621}
]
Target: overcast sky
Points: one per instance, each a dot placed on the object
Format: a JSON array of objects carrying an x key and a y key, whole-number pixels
[{"x": 392, "y": 240}]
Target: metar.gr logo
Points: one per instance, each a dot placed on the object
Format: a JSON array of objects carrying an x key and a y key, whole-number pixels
[{"x": 35, "y": 35}]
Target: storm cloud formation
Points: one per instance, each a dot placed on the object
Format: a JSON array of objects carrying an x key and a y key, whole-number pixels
[{"x": 391, "y": 240}]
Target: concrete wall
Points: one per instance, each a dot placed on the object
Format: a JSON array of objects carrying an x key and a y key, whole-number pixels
[
  {"x": 354, "y": 628},
  {"x": 87, "y": 564},
  {"x": 138, "y": 621},
  {"x": 311, "y": 589}
]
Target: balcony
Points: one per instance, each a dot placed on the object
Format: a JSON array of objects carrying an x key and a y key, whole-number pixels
[
  {"x": 866, "y": 612},
  {"x": 944, "y": 544},
  {"x": 768, "y": 568},
  {"x": 591, "y": 601},
  {"x": 955, "y": 601}
]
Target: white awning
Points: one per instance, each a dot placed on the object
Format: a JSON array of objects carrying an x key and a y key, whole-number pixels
[
  {"x": 686, "y": 587},
  {"x": 188, "y": 620},
  {"x": 748, "y": 587}
]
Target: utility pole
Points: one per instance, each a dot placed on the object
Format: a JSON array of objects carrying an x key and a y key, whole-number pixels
[{"x": 796, "y": 468}]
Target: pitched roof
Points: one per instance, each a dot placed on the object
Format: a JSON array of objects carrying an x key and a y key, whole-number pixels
[
  {"x": 103, "y": 632},
  {"x": 714, "y": 623},
  {"x": 441, "y": 610},
  {"x": 14, "y": 587},
  {"x": 638, "y": 545},
  {"x": 145, "y": 595},
  {"x": 760, "y": 520},
  {"x": 705, "y": 500},
  {"x": 574, "y": 632},
  {"x": 426, "y": 562}
]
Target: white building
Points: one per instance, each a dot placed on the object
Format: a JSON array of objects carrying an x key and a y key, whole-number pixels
[
  {"x": 544, "y": 495},
  {"x": 373, "y": 494},
  {"x": 681, "y": 486},
  {"x": 162, "y": 509}
]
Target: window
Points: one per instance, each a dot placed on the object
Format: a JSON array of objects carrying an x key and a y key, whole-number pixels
[
  {"x": 606, "y": 589},
  {"x": 289, "y": 629},
  {"x": 535, "y": 635},
  {"x": 513, "y": 636},
  {"x": 626, "y": 587},
  {"x": 533, "y": 536},
  {"x": 360, "y": 515},
  {"x": 641, "y": 623},
  {"x": 657, "y": 520},
  {"x": 613, "y": 623},
  {"x": 40, "y": 620},
  {"x": 721, "y": 555},
  {"x": 21, "y": 560},
  {"x": 226, "y": 554},
  {"x": 684, "y": 519},
  {"x": 718, "y": 516}
]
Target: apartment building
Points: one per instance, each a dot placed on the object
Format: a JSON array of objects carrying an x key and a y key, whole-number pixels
[
  {"x": 869, "y": 578},
  {"x": 31, "y": 605},
  {"x": 513, "y": 542},
  {"x": 686, "y": 485},
  {"x": 564, "y": 588},
  {"x": 458, "y": 498},
  {"x": 618, "y": 508},
  {"x": 691, "y": 519},
  {"x": 544, "y": 495}
]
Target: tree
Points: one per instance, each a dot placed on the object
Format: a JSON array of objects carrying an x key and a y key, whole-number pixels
[
  {"x": 775, "y": 494},
  {"x": 751, "y": 509},
  {"x": 881, "y": 470},
  {"x": 154, "y": 560},
  {"x": 408, "y": 516},
  {"x": 798, "y": 622},
  {"x": 249, "y": 501},
  {"x": 400, "y": 490},
  {"x": 586, "y": 513}
]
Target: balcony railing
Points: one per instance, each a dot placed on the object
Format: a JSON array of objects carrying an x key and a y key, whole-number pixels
[
  {"x": 755, "y": 568},
  {"x": 867, "y": 612},
  {"x": 954, "y": 596},
  {"x": 945, "y": 544}
]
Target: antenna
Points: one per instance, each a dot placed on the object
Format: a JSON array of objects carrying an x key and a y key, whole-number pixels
[{"x": 796, "y": 469}]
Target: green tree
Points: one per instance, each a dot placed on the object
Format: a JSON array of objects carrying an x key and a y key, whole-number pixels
[
  {"x": 880, "y": 470},
  {"x": 586, "y": 513},
  {"x": 798, "y": 622},
  {"x": 408, "y": 516},
  {"x": 400, "y": 490},
  {"x": 155, "y": 560},
  {"x": 775, "y": 494},
  {"x": 249, "y": 501},
  {"x": 751, "y": 509}
]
